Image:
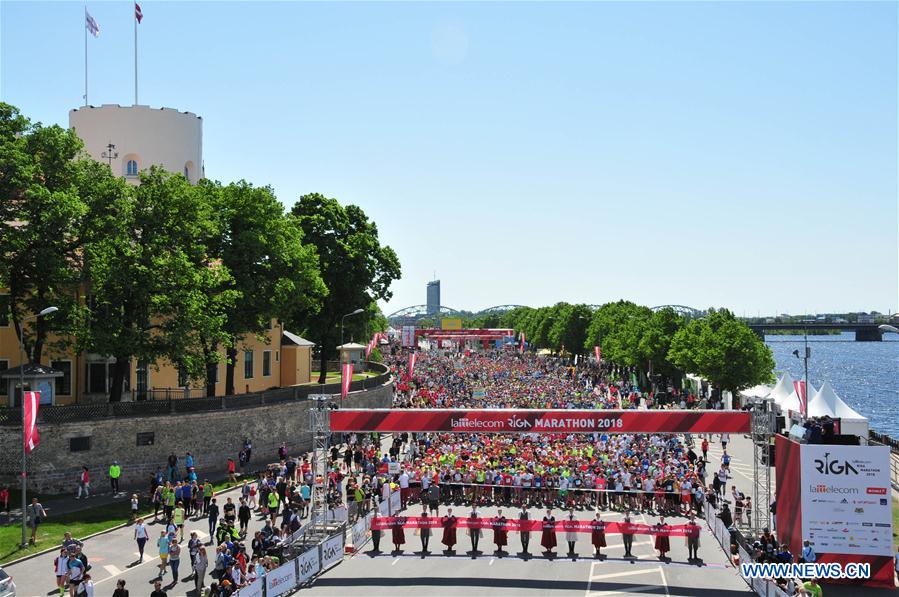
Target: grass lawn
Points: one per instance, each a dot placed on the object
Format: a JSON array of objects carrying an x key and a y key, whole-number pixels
[{"x": 81, "y": 524}]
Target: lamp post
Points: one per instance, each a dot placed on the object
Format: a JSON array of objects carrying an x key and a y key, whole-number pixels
[
  {"x": 46, "y": 311},
  {"x": 342, "y": 319},
  {"x": 805, "y": 362}
]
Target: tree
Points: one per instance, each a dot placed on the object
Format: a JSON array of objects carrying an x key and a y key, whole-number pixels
[
  {"x": 154, "y": 291},
  {"x": 271, "y": 271},
  {"x": 656, "y": 342},
  {"x": 569, "y": 327},
  {"x": 41, "y": 220},
  {"x": 724, "y": 351},
  {"x": 355, "y": 268}
]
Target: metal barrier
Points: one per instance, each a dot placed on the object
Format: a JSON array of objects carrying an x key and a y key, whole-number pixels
[{"x": 297, "y": 572}]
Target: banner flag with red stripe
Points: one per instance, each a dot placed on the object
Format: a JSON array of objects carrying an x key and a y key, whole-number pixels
[
  {"x": 32, "y": 403},
  {"x": 801, "y": 391},
  {"x": 521, "y": 348},
  {"x": 346, "y": 378},
  {"x": 412, "y": 364},
  {"x": 137, "y": 12},
  {"x": 598, "y": 353}
]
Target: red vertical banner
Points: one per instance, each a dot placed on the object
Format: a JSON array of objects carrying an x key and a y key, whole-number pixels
[
  {"x": 31, "y": 404},
  {"x": 521, "y": 348},
  {"x": 346, "y": 378},
  {"x": 802, "y": 392},
  {"x": 597, "y": 352},
  {"x": 411, "y": 364}
]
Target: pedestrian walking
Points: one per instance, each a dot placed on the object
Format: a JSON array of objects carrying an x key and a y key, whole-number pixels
[
  {"x": 141, "y": 535},
  {"x": 115, "y": 471},
  {"x": 200, "y": 564},
  {"x": 84, "y": 484},
  {"x": 35, "y": 515},
  {"x": 162, "y": 544},
  {"x": 174, "y": 558},
  {"x": 86, "y": 587},
  {"x": 120, "y": 590},
  {"x": 135, "y": 504},
  {"x": 158, "y": 592},
  {"x": 61, "y": 567},
  {"x": 212, "y": 514}
]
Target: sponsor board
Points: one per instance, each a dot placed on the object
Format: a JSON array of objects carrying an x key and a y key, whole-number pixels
[
  {"x": 853, "y": 477},
  {"x": 254, "y": 589},
  {"x": 360, "y": 533},
  {"x": 281, "y": 579},
  {"x": 309, "y": 564},
  {"x": 332, "y": 551}
]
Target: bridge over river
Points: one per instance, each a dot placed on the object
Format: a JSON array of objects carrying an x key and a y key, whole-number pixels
[{"x": 864, "y": 332}]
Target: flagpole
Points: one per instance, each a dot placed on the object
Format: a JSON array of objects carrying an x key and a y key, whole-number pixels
[
  {"x": 85, "y": 55},
  {"x": 134, "y": 16}
]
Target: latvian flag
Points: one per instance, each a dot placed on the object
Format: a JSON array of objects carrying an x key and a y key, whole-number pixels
[
  {"x": 801, "y": 391},
  {"x": 598, "y": 353},
  {"x": 411, "y": 364},
  {"x": 521, "y": 348},
  {"x": 91, "y": 24},
  {"x": 137, "y": 13}
]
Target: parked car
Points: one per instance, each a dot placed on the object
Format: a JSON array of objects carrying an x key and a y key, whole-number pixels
[{"x": 7, "y": 586}]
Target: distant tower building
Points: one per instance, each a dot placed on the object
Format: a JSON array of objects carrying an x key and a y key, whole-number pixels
[
  {"x": 133, "y": 138},
  {"x": 433, "y": 297}
]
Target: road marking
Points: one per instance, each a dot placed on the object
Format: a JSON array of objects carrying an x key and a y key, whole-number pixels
[
  {"x": 113, "y": 571},
  {"x": 664, "y": 580},
  {"x": 624, "y": 590},
  {"x": 619, "y": 574},
  {"x": 635, "y": 543},
  {"x": 491, "y": 561},
  {"x": 393, "y": 563}
]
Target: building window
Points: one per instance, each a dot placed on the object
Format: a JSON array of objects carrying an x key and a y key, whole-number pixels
[
  {"x": 183, "y": 379},
  {"x": 64, "y": 383},
  {"x": 186, "y": 173},
  {"x": 248, "y": 364},
  {"x": 266, "y": 363},
  {"x": 4, "y": 365},
  {"x": 79, "y": 444},
  {"x": 131, "y": 168},
  {"x": 143, "y": 379},
  {"x": 96, "y": 378},
  {"x": 5, "y": 310}
]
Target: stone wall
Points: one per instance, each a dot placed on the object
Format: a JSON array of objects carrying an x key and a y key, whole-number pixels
[{"x": 211, "y": 437}]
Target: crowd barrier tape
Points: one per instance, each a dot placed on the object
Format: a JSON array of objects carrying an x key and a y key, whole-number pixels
[{"x": 515, "y": 525}]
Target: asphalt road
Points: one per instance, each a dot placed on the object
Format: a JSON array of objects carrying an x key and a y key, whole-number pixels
[{"x": 408, "y": 573}]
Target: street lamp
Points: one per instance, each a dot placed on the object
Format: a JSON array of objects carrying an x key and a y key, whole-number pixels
[
  {"x": 805, "y": 360},
  {"x": 356, "y": 312},
  {"x": 46, "y": 311}
]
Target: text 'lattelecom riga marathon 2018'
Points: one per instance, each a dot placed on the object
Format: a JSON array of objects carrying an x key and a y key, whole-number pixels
[{"x": 831, "y": 570}]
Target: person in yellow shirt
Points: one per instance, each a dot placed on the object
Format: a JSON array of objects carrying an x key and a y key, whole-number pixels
[{"x": 115, "y": 471}]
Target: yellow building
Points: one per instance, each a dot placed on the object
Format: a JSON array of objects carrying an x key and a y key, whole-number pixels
[{"x": 281, "y": 359}]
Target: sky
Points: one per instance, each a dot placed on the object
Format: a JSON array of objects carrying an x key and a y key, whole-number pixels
[{"x": 739, "y": 155}]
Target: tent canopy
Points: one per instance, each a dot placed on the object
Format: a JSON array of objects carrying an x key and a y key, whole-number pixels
[
  {"x": 825, "y": 402},
  {"x": 761, "y": 391},
  {"x": 782, "y": 389}
]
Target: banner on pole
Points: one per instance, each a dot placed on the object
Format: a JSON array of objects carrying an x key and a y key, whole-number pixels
[
  {"x": 32, "y": 403},
  {"x": 346, "y": 378},
  {"x": 536, "y": 421}
]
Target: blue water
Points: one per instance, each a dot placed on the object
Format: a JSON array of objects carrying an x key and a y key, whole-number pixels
[{"x": 864, "y": 374}]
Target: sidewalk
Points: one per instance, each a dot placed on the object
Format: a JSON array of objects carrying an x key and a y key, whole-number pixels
[{"x": 58, "y": 505}]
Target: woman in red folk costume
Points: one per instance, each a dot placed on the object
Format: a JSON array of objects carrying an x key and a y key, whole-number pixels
[
  {"x": 662, "y": 544},
  {"x": 500, "y": 534},
  {"x": 598, "y": 528},
  {"x": 548, "y": 541},
  {"x": 449, "y": 530},
  {"x": 399, "y": 533}
]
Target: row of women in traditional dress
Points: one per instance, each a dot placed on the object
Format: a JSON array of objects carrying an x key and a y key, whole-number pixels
[{"x": 498, "y": 525}]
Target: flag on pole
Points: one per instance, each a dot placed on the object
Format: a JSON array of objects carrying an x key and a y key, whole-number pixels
[
  {"x": 411, "y": 364},
  {"x": 346, "y": 378},
  {"x": 137, "y": 13},
  {"x": 91, "y": 24},
  {"x": 800, "y": 388},
  {"x": 521, "y": 348},
  {"x": 31, "y": 438},
  {"x": 598, "y": 353}
]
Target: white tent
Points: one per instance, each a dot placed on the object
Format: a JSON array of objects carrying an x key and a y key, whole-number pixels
[
  {"x": 825, "y": 402},
  {"x": 761, "y": 391},
  {"x": 782, "y": 389},
  {"x": 792, "y": 401}
]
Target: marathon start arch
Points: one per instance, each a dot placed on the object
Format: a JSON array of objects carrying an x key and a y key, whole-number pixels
[{"x": 536, "y": 421}]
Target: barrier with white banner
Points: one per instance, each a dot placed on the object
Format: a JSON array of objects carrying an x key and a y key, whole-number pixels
[
  {"x": 395, "y": 502},
  {"x": 254, "y": 589},
  {"x": 309, "y": 565},
  {"x": 360, "y": 532},
  {"x": 281, "y": 580},
  {"x": 332, "y": 550},
  {"x": 340, "y": 514}
]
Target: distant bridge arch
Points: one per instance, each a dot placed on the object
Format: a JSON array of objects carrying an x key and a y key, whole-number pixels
[{"x": 683, "y": 310}]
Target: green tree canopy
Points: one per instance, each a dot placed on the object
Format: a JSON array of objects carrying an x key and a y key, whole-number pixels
[{"x": 355, "y": 268}]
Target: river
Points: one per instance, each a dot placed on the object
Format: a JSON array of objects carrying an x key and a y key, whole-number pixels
[{"x": 864, "y": 374}]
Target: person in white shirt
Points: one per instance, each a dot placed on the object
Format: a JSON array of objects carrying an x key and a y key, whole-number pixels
[
  {"x": 808, "y": 553},
  {"x": 404, "y": 488},
  {"x": 86, "y": 588}
]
